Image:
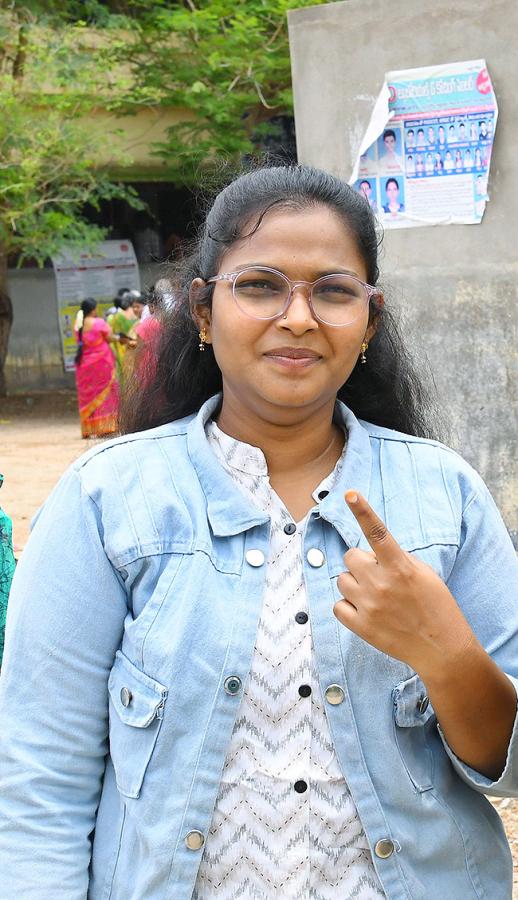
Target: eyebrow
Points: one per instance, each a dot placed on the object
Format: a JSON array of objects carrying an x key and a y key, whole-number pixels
[{"x": 337, "y": 270}]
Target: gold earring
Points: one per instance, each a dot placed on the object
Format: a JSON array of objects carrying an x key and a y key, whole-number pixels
[
  {"x": 365, "y": 347},
  {"x": 203, "y": 338}
]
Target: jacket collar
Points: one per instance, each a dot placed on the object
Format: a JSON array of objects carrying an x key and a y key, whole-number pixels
[{"x": 228, "y": 510}]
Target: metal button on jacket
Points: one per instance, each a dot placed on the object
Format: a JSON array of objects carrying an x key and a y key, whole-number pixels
[
  {"x": 384, "y": 848},
  {"x": 305, "y": 690},
  {"x": 254, "y": 557},
  {"x": 422, "y": 704},
  {"x": 126, "y": 696},
  {"x": 290, "y": 528},
  {"x": 315, "y": 557},
  {"x": 232, "y": 684},
  {"x": 300, "y": 786},
  {"x": 335, "y": 694},
  {"x": 194, "y": 840},
  {"x": 301, "y": 617}
]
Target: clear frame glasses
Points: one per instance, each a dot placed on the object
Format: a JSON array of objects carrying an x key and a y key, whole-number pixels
[{"x": 264, "y": 293}]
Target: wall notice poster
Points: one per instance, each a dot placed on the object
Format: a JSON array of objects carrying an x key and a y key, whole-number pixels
[
  {"x": 424, "y": 158},
  {"x": 100, "y": 274}
]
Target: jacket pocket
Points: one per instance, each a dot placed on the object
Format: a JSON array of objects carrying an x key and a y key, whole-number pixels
[
  {"x": 412, "y": 718},
  {"x": 136, "y": 709}
]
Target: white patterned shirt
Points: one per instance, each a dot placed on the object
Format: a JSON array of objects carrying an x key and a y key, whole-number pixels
[{"x": 284, "y": 825}]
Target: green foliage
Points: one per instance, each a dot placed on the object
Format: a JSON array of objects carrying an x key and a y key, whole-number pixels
[
  {"x": 226, "y": 62},
  {"x": 49, "y": 84}
]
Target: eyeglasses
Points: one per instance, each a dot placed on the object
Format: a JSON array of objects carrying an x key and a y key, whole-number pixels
[{"x": 264, "y": 293}]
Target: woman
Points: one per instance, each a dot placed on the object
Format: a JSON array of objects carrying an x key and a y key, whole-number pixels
[
  {"x": 237, "y": 682},
  {"x": 393, "y": 206},
  {"x": 121, "y": 323},
  {"x": 96, "y": 381}
]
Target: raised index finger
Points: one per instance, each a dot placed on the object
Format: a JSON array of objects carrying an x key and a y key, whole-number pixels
[{"x": 379, "y": 537}]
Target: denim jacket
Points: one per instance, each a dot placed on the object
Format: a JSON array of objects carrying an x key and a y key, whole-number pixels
[{"x": 130, "y": 633}]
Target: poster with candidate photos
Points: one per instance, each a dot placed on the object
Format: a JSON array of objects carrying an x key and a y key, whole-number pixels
[
  {"x": 429, "y": 141},
  {"x": 98, "y": 273}
]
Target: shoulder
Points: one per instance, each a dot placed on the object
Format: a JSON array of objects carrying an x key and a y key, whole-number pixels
[
  {"x": 398, "y": 442},
  {"x": 144, "y": 490},
  {"x": 152, "y": 441},
  {"x": 429, "y": 465}
]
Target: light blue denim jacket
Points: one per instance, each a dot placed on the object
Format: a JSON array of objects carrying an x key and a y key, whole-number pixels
[{"x": 134, "y": 603}]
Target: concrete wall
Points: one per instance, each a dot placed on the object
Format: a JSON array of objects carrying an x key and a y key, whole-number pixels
[
  {"x": 457, "y": 285},
  {"x": 34, "y": 360}
]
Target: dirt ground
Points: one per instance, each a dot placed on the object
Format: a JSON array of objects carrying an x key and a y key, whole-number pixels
[{"x": 39, "y": 438}]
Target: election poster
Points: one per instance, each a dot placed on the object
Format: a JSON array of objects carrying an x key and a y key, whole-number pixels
[
  {"x": 426, "y": 153},
  {"x": 99, "y": 274}
]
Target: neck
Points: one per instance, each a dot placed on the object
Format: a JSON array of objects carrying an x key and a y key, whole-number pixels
[{"x": 303, "y": 440}]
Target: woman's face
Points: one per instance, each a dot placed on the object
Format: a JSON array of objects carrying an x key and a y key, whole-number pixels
[
  {"x": 392, "y": 192},
  {"x": 304, "y": 245}
]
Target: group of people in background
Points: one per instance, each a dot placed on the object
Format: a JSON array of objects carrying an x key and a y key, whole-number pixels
[{"x": 107, "y": 349}]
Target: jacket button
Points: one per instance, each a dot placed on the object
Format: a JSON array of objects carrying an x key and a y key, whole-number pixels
[
  {"x": 384, "y": 848},
  {"x": 422, "y": 704},
  {"x": 290, "y": 528},
  {"x": 335, "y": 694},
  {"x": 301, "y": 617},
  {"x": 194, "y": 840},
  {"x": 126, "y": 696},
  {"x": 315, "y": 558},
  {"x": 254, "y": 557},
  {"x": 232, "y": 684}
]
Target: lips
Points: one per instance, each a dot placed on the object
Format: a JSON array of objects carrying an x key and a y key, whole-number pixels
[
  {"x": 294, "y": 359},
  {"x": 293, "y": 353}
]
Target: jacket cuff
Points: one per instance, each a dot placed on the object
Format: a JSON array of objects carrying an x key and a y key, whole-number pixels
[{"x": 507, "y": 784}]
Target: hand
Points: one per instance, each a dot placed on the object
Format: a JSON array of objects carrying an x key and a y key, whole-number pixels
[{"x": 396, "y": 602}]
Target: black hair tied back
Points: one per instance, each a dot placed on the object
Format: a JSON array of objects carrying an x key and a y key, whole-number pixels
[{"x": 87, "y": 306}]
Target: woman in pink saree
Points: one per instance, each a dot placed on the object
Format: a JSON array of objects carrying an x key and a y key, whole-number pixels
[{"x": 96, "y": 380}]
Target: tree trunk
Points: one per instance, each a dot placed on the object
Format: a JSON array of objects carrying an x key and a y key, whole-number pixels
[{"x": 6, "y": 319}]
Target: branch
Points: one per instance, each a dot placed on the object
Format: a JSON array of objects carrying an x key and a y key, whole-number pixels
[
  {"x": 19, "y": 60},
  {"x": 275, "y": 35},
  {"x": 233, "y": 83},
  {"x": 262, "y": 98}
]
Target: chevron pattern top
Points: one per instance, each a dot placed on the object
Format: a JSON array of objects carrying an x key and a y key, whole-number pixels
[{"x": 284, "y": 825}]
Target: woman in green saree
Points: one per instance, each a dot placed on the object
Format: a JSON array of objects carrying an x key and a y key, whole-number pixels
[{"x": 121, "y": 322}]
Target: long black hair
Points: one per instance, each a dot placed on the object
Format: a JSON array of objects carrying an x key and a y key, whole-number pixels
[
  {"x": 87, "y": 306},
  {"x": 386, "y": 390}
]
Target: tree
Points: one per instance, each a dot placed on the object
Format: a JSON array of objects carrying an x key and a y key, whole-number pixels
[
  {"x": 226, "y": 62},
  {"x": 49, "y": 82}
]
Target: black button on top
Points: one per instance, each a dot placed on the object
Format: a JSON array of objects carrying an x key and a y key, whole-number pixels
[
  {"x": 290, "y": 528},
  {"x": 304, "y": 690},
  {"x": 322, "y": 494},
  {"x": 300, "y": 786},
  {"x": 301, "y": 618}
]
